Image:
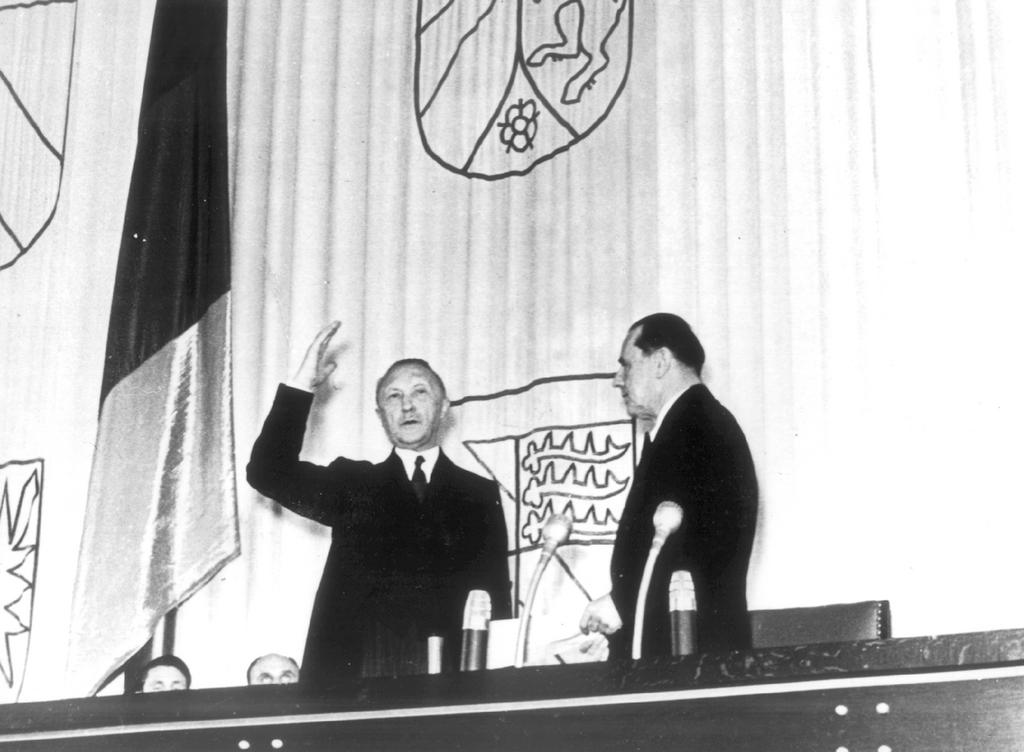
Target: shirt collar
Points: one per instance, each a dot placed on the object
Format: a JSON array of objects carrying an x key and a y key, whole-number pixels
[
  {"x": 664, "y": 410},
  {"x": 408, "y": 458}
]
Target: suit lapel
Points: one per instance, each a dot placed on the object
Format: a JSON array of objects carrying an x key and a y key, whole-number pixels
[
  {"x": 676, "y": 415},
  {"x": 636, "y": 510},
  {"x": 439, "y": 486},
  {"x": 441, "y": 479},
  {"x": 395, "y": 472}
]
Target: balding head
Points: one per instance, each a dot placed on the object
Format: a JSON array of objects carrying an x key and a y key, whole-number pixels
[{"x": 273, "y": 668}]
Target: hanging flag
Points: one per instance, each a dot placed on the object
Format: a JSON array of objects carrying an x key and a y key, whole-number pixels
[{"x": 161, "y": 518}]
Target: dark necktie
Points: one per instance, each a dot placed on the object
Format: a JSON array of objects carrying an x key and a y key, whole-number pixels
[
  {"x": 647, "y": 445},
  {"x": 419, "y": 480}
]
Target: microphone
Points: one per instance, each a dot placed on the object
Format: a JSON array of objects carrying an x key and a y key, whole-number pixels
[
  {"x": 474, "y": 630},
  {"x": 435, "y": 653},
  {"x": 667, "y": 519},
  {"x": 555, "y": 532},
  {"x": 682, "y": 611}
]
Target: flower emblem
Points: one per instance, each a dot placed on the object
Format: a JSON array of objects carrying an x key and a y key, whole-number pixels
[{"x": 520, "y": 126}]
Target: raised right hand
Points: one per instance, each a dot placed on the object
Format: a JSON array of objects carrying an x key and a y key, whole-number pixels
[{"x": 316, "y": 367}]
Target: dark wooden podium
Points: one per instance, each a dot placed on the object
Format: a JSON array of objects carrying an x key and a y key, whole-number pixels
[{"x": 945, "y": 693}]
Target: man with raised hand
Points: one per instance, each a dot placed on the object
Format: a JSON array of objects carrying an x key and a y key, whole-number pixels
[{"x": 411, "y": 535}]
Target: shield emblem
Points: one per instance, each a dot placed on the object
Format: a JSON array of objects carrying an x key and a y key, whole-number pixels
[
  {"x": 36, "y": 50},
  {"x": 21, "y": 495},
  {"x": 502, "y": 85},
  {"x": 579, "y": 471},
  {"x": 560, "y": 445}
]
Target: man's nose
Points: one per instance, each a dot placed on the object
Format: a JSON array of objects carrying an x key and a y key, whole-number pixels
[{"x": 617, "y": 381}]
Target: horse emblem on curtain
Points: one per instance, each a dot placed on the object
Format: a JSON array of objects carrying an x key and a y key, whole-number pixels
[
  {"x": 36, "y": 50},
  {"x": 21, "y": 495},
  {"x": 502, "y": 85}
]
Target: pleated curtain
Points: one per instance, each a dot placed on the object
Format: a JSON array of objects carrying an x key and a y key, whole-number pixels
[
  {"x": 826, "y": 191},
  {"x": 830, "y": 192}
]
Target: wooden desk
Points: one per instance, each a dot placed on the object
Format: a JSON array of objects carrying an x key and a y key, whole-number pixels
[{"x": 953, "y": 692}]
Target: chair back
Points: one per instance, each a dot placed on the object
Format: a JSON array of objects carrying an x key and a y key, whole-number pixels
[{"x": 835, "y": 622}]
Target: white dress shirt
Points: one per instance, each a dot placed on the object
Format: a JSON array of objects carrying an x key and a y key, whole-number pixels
[{"x": 408, "y": 457}]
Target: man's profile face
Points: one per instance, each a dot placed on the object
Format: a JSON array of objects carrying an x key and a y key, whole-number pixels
[
  {"x": 636, "y": 379},
  {"x": 163, "y": 679},
  {"x": 274, "y": 669},
  {"x": 411, "y": 406}
]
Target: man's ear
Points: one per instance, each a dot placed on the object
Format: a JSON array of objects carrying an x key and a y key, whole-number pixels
[
  {"x": 662, "y": 361},
  {"x": 445, "y": 419}
]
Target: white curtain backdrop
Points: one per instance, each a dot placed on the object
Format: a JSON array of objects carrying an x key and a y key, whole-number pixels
[
  {"x": 55, "y": 300},
  {"x": 831, "y": 192}
]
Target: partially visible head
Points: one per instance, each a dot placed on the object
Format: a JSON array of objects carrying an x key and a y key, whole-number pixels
[
  {"x": 659, "y": 354},
  {"x": 411, "y": 403},
  {"x": 273, "y": 669},
  {"x": 168, "y": 672}
]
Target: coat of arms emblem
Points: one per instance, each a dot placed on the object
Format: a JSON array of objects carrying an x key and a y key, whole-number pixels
[
  {"x": 560, "y": 445},
  {"x": 502, "y": 85},
  {"x": 21, "y": 493},
  {"x": 34, "y": 97}
]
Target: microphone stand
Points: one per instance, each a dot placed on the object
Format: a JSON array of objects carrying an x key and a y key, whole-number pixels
[
  {"x": 667, "y": 519},
  {"x": 556, "y": 532}
]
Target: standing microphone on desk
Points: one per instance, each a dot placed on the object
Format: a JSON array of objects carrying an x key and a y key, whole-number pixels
[
  {"x": 667, "y": 519},
  {"x": 474, "y": 630},
  {"x": 555, "y": 533},
  {"x": 682, "y": 611}
]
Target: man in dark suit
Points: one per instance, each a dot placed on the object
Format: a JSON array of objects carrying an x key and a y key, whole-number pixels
[
  {"x": 411, "y": 536},
  {"x": 697, "y": 457}
]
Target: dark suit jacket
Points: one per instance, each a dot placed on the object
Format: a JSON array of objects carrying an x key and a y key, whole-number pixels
[
  {"x": 699, "y": 459},
  {"x": 397, "y": 571}
]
